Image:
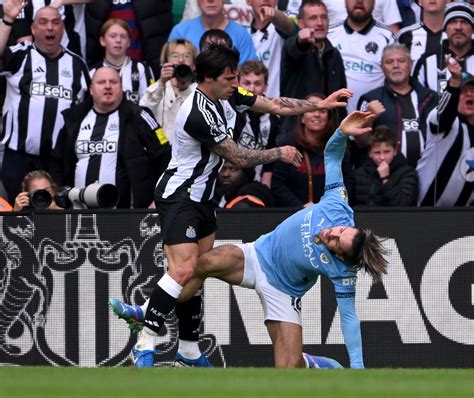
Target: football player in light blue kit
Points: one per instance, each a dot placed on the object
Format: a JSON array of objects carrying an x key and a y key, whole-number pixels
[{"x": 285, "y": 263}]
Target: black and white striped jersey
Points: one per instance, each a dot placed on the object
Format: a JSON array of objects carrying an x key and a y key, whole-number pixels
[
  {"x": 446, "y": 166},
  {"x": 136, "y": 77},
  {"x": 431, "y": 70},
  {"x": 97, "y": 148},
  {"x": 72, "y": 16},
  {"x": 419, "y": 40},
  {"x": 38, "y": 90},
  {"x": 200, "y": 125}
]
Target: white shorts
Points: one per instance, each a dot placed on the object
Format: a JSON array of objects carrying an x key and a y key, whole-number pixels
[{"x": 277, "y": 306}]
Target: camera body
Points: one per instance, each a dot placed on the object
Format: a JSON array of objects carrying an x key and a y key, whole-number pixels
[
  {"x": 40, "y": 199},
  {"x": 183, "y": 73},
  {"x": 94, "y": 196}
]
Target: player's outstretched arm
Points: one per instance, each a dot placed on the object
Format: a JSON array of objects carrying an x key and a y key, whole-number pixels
[
  {"x": 242, "y": 157},
  {"x": 357, "y": 123},
  {"x": 291, "y": 106}
]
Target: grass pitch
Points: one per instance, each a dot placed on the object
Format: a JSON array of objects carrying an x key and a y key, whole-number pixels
[{"x": 127, "y": 382}]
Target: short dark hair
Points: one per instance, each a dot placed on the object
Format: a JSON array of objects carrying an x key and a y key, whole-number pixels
[
  {"x": 368, "y": 254},
  {"x": 382, "y": 134},
  {"x": 214, "y": 36},
  {"x": 311, "y": 3},
  {"x": 256, "y": 67},
  {"x": 213, "y": 61}
]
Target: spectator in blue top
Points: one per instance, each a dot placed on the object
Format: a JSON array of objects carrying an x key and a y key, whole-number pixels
[{"x": 213, "y": 17}]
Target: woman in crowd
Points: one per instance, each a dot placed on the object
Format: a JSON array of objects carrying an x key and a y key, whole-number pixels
[
  {"x": 34, "y": 181},
  {"x": 303, "y": 186},
  {"x": 116, "y": 37},
  {"x": 175, "y": 84}
]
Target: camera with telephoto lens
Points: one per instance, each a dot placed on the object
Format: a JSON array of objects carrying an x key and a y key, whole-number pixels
[
  {"x": 183, "y": 73},
  {"x": 40, "y": 199},
  {"x": 94, "y": 196}
]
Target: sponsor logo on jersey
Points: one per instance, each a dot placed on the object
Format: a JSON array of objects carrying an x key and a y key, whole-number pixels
[
  {"x": 307, "y": 240},
  {"x": 190, "y": 232},
  {"x": 49, "y": 91},
  {"x": 243, "y": 91},
  {"x": 410, "y": 124},
  {"x": 86, "y": 127},
  {"x": 360, "y": 66},
  {"x": 95, "y": 147},
  {"x": 372, "y": 47},
  {"x": 39, "y": 69},
  {"x": 417, "y": 44}
]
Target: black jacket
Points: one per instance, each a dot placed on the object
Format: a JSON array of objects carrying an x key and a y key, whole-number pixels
[
  {"x": 401, "y": 189},
  {"x": 303, "y": 74},
  {"x": 154, "y": 19},
  {"x": 290, "y": 184},
  {"x": 392, "y": 117},
  {"x": 141, "y": 157}
]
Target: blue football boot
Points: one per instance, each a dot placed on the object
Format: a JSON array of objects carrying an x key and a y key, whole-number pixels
[
  {"x": 321, "y": 362},
  {"x": 182, "y": 362},
  {"x": 132, "y": 314}
]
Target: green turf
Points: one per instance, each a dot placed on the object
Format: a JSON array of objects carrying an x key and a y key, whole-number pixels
[{"x": 49, "y": 382}]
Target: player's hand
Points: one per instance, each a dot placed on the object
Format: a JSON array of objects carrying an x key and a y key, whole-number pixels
[
  {"x": 12, "y": 8},
  {"x": 21, "y": 201},
  {"x": 291, "y": 155},
  {"x": 356, "y": 123},
  {"x": 306, "y": 36},
  {"x": 335, "y": 99}
]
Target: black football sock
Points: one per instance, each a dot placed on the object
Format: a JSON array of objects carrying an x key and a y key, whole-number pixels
[{"x": 189, "y": 317}]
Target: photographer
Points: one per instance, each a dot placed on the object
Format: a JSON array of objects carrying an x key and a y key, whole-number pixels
[
  {"x": 176, "y": 82},
  {"x": 33, "y": 185}
]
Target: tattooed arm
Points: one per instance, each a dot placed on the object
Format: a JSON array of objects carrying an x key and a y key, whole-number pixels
[
  {"x": 292, "y": 106},
  {"x": 242, "y": 157}
]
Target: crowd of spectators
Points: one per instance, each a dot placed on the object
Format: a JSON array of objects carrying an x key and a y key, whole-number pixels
[{"x": 91, "y": 89}]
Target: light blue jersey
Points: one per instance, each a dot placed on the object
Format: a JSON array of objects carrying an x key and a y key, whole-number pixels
[
  {"x": 193, "y": 29},
  {"x": 292, "y": 261},
  {"x": 290, "y": 258}
]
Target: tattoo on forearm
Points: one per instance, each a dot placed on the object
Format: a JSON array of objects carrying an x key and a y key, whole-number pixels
[
  {"x": 242, "y": 157},
  {"x": 298, "y": 105}
]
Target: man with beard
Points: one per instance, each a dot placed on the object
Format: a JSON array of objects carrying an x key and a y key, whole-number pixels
[
  {"x": 361, "y": 39},
  {"x": 431, "y": 69},
  {"x": 406, "y": 102}
]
